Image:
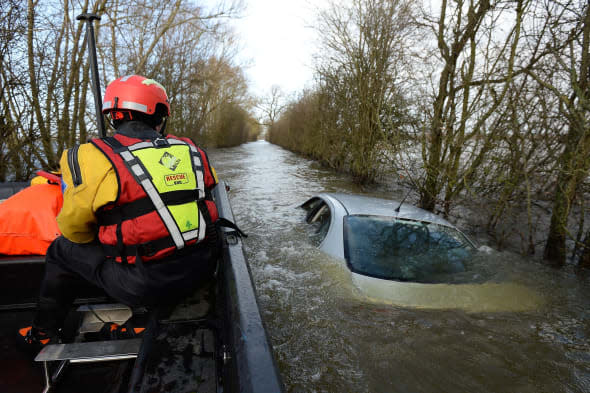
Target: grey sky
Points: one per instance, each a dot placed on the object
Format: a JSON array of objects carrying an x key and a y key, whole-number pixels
[{"x": 278, "y": 43}]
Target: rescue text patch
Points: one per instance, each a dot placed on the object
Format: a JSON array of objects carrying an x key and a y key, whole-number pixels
[{"x": 177, "y": 178}]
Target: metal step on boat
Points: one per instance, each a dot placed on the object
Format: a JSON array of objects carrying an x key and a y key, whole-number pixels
[
  {"x": 176, "y": 351},
  {"x": 213, "y": 341},
  {"x": 55, "y": 358}
]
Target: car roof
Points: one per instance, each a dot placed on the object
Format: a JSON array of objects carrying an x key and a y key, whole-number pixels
[{"x": 360, "y": 204}]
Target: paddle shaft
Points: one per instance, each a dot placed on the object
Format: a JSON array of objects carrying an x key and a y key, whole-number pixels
[{"x": 90, "y": 18}]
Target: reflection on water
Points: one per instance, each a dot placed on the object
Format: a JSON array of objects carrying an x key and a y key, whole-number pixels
[{"x": 329, "y": 338}]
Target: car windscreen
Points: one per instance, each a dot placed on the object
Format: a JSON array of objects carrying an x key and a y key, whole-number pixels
[{"x": 404, "y": 250}]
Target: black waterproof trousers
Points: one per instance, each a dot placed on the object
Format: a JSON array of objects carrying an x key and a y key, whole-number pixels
[{"x": 71, "y": 266}]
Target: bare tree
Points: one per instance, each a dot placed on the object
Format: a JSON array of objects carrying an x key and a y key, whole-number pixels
[
  {"x": 12, "y": 30},
  {"x": 272, "y": 105},
  {"x": 44, "y": 78},
  {"x": 189, "y": 49},
  {"x": 360, "y": 72},
  {"x": 568, "y": 80},
  {"x": 465, "y": 104}
]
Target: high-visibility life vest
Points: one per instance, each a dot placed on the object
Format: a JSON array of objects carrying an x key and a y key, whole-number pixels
[
  {"x": 27, "y": 220},
  {"x": 162, "y": 203}
]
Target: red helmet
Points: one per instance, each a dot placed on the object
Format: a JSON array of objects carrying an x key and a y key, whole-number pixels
[{"x": 134, "y": 92}]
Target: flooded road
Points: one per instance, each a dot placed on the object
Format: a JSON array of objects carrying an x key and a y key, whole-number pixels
[{"x": 328, "y": 338}]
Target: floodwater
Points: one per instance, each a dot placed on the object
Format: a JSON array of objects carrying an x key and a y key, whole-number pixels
[{"x": 328, "y": 337}]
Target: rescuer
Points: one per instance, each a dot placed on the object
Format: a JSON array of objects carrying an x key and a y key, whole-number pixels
[{"x": 137, "y": 218}]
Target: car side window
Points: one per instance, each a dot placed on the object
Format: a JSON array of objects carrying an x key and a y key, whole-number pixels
[
  {"x": 311, "y": 207},
  {"x": 318, "y": 216}
]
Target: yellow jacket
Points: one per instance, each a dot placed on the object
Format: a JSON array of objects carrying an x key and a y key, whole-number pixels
[{"x": 77, "y": 219}]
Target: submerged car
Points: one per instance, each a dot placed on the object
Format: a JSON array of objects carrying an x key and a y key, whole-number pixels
[{"x": 399, "y": 253}]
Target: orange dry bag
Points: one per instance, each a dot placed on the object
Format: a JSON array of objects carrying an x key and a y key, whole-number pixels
[{"x": 27, "y": 220}]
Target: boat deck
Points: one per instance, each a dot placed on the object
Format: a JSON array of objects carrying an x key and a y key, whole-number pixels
[{"x": 179, "y": 349}]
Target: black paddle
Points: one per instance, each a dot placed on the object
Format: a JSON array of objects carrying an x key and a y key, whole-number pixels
[{"x": 89, "y": 18}]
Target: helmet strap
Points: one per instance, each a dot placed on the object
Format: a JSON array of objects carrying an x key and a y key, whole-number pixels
[{"x": 163, "y": 128}]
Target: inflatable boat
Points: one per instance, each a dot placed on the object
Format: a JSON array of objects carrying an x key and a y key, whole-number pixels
[{"x": 213, "y": 341}]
